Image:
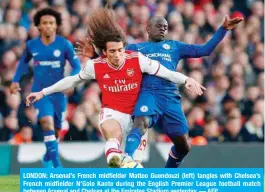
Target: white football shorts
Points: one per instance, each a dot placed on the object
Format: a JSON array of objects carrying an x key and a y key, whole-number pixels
[{"x": 126, "y": 123}]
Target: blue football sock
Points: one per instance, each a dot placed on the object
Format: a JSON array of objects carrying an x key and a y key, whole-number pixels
[
  {"x": 52, "y": 148},
  {"x": 133, "y": 140},
  {"x": 174, "y": 158},
  {"x": 46, "y": 161},
  {"x": 46, "y": 156}
]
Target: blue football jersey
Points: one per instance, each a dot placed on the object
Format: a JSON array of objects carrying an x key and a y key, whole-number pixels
[
  {"x": 48, "y": 60},
  {"x": 168, "y": 53}
]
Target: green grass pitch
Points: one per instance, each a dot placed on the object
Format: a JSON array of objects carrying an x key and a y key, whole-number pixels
[{"x": 9, "y": 183}]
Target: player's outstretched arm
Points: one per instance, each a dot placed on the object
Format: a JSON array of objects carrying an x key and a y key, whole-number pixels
[
  {"x": 153, "y": 67},
  {"x": 22, "y": 69},
  {"x": 88, "y": 72},
  {"x": 194, "y": 50},
  {"x": 60, "y": 86},
  {"x": 190, "y": 84}
]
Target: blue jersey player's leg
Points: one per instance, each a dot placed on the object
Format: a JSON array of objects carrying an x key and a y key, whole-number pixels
[
  {"x": 175, "y": 125},
  {"x": 45, "y": 116},
  {"x": 145, "y": 114},
  {"x": 60, "y": 104},
  {"x": 59, "y": 101}
]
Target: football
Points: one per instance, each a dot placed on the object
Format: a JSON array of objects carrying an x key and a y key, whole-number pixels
[{"x": 132, "y": 164}]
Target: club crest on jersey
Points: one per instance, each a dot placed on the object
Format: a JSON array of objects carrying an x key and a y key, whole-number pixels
[
  {"x": 166, "y": 46},
  {"x": 130, "y": 72},
  {"x": 144, "y": 108},
  {"x": 56, "y": 53}
]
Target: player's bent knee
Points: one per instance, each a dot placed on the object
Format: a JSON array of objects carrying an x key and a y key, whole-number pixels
[
  {"x": 141, "y": 122},
  {"x": 111, "y": 129},
  {"x": 47, "y": 123}
]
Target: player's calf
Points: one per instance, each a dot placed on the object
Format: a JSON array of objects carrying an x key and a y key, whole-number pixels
[
  {"x": 52, "y": 148},
  {"x": 178, "y": 151},
  {"x": 133, "y": 139},
  {"x": 46, "y": 161}
]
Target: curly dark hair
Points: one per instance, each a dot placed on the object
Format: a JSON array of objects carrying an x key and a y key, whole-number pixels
[
  {"x": 103, "y": 28},
  {"x": 47, "y": 11}
]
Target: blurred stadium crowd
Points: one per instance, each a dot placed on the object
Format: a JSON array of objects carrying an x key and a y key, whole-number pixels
[{"x": 232, "y": 108}]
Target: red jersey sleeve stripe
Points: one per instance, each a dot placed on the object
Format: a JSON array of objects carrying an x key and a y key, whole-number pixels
[
  {"x": 80, "y": 77},
  {"x": 157, "y": 69}
]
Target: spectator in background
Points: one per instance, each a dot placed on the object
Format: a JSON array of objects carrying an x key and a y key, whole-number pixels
[
  {"x": 221, "y": 86},
  {"x": 259, "y": 106},
  {"x": 212, "y": 130},
  {"x": 260, "y": 84},
  {"x": 11, "y": 104},
  {"x": 28, "y": 117},
  {"x": 253, "y": 130},
  {"x": 10, "y": 127},
  {"x": 252, "y": 95},
  {"x": 232, "y": 130},
  {"x": 22, "y": 137},
  {"x": 196, "y": 121},
  {"x": 78, "y": 127},
  {"x": 233, "y": 126}
]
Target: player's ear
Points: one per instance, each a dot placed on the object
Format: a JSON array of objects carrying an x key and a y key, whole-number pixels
[
  {"x": 147, "y": 28},
  {"x": 104, "y": 52},
  {"x": 38, "y": 27}
]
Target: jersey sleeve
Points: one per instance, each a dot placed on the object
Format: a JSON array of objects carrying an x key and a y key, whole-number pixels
[
  {"x": 153, "y": 67},
  {"x": 148, "y": 65},
  {"x": 72, "y": 58},
  {"x": 23, "y": 66},
  {"x": 88, "y": 72},
  {"x": 195, "y": 50}
]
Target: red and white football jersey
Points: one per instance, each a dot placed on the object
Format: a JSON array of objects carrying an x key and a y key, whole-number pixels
[{"x": 120, "y": 86}]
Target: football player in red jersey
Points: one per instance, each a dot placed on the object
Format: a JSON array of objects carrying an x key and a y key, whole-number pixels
[{"x": 119, "y": 75}]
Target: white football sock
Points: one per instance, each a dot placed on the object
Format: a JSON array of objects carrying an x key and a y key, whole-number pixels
[{"x": 112, "y": 148}]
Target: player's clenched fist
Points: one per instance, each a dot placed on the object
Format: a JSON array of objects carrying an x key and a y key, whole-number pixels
[
  {"x": 193, "y": 86},
  {"x": 33, "y": 97}
]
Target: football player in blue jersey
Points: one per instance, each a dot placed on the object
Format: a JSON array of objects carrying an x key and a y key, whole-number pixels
[
  {"x": 159, "y": 101},
  {"x": 49, "y": 53}
]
